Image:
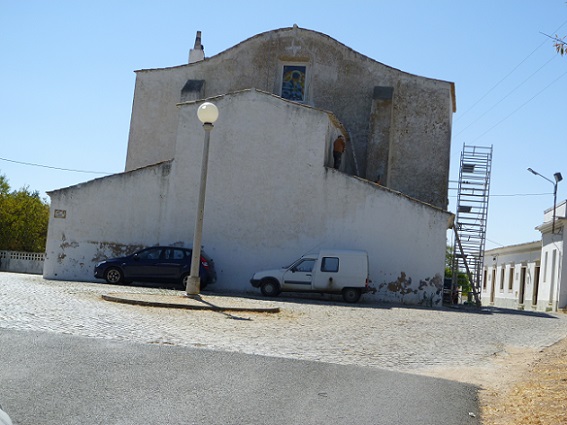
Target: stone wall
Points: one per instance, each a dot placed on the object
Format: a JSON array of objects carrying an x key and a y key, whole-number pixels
[{"x": 398, "y": 124}]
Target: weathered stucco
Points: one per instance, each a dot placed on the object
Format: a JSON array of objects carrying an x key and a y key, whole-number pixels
[
  {"x": 271, "y": 197},
  {"x": 103, "y": 218},
  {"x": 405, "y": 140}
]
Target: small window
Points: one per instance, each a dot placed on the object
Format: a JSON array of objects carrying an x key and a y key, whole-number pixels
[
  {"x": 150, "y": 254},
  {"x": 293, "y": 82},
  {"x": 330, "y": 264},
  {"x": 178, "y": 254},
  {"x": 306, "y": 266}
]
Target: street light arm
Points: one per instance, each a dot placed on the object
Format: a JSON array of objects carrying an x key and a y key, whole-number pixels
[
  {"x": 558, "y": 178},
  {"x": 543, "y": 177}
]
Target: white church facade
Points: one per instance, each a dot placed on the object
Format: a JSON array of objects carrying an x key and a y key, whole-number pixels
[{"x": 272, "y": 191}]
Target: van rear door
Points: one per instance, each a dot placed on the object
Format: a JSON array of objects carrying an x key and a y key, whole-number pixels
[{"x": 327, "y": 274}]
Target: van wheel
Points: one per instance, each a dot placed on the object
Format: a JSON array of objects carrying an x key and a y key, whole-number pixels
[
  {"x": 270, "y": 288},
  {"x": 351, "y": 295}
]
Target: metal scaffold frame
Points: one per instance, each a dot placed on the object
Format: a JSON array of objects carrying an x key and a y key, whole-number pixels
[{"x": 471, "y": 217}]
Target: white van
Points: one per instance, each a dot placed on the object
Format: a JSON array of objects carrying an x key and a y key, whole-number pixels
[{"x": 329, "y": 271}]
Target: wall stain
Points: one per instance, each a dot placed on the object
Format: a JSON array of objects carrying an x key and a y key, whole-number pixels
[
  {"x": 64, "y": 245},
  {"x": 431, "y": 298},
  {"x": 107, "y": 250},
  {"x": 401, "y": 285},
  {"x": 430, "y": 289}
]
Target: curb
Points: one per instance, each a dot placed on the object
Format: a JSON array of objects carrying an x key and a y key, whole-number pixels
[{"x": 180, "y": 302}]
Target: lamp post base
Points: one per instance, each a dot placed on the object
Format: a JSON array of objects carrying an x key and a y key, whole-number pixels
[{"x": 193, "y": 286}]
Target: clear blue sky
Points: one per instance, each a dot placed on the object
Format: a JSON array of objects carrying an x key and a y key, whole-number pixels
[{"x": 67, "y": 80}]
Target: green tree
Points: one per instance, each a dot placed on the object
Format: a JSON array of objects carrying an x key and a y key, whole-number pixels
[
  {"x": 24, "y": 217},
  {"x": 463, "y": 282}
]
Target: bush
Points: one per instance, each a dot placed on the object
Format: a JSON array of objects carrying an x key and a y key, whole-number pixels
[{"x": 24, "y": 217}]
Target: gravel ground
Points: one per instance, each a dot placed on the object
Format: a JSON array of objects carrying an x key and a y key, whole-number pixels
[{"x": 378, "y": 335}]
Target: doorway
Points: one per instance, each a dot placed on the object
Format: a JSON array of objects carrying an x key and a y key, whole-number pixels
[
  {"x": 522, "y": 286},
  {"x": 536, "y": 286}
]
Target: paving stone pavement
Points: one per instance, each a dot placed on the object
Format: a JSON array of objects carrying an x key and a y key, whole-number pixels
[{"x": 403, "y": 338}]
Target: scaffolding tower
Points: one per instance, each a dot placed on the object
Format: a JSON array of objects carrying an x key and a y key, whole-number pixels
[{"x": 471, "y": 218}]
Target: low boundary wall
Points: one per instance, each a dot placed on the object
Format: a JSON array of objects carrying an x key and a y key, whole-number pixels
[{"x": 22, "y": 262}]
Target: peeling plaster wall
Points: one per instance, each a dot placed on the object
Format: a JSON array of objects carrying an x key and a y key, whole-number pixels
[
  {"x": 271, "y": 197},
  {"x": 107, "y": 217},
  {"x": 417, "y": 120}
]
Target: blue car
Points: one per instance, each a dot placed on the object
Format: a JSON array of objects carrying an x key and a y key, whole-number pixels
[{"x": 165, "y": 264}]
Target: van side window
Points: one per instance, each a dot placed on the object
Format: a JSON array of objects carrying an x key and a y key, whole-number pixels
[
  {"x": 305, "y": 266},
  {"x": 330, "y": 264}
]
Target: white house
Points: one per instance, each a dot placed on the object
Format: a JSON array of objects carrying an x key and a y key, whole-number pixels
[
  {"x": 272, "y": 192},
  {"x": 529, "y": 276}
]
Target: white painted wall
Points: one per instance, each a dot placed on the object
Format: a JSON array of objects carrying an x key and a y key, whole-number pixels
[
  {"x": 556, "y": 285},
  {"x": 22, "y": 262},
  {"x": 547, "y": 253},
  {"x": 271, "y": 197},
  {"x": 103, "y": 218},
  {"x": 499, "y": 263}
]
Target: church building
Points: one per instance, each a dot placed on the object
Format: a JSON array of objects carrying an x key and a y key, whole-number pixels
[{"x": 274, "y": 191}]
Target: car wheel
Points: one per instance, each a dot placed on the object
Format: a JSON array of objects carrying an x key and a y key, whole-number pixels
[
  {"x": 113, "y": 275},
  {"x": 351, "y": 295},
  {"x": 270, "y": 288},
  {"x": 185, "y": 278},
  {"x": 183, "y": 282}
]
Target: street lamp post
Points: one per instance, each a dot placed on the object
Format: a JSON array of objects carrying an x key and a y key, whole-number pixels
[
  {"x": 558, "y": 178},
  {"x": 207, "y": 114}
]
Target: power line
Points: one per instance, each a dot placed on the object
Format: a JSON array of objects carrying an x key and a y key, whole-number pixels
[
  {"x": 520, "y": 107},
  {"x": 499, "y": 82},
  {"x": 508, "y": 95},
  {"x": 495, "y": 243},
  {"x": 54, "y": 168},
  {"x": 507, "y": 75}
]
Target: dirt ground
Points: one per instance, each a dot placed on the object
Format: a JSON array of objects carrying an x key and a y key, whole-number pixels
[
  {"x": 521, "y": 387},
  {"x": 536, "y": 393}
]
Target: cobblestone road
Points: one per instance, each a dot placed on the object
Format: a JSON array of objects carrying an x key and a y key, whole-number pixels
[{"x": 379, "y": 335}]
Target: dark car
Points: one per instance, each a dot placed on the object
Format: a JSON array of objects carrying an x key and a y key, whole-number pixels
[{"x": 156, "y": 264}]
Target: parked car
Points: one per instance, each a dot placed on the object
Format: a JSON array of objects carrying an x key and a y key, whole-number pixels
[
  {"x": 167, "y": 264},
  {"x": 328, "y": 271}
]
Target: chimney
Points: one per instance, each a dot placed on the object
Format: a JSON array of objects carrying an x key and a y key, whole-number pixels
[{"x": 197, "y": 53}]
